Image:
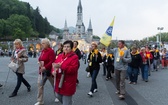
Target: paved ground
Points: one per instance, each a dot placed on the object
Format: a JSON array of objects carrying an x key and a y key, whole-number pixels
[{"x": 151, "y": 93}]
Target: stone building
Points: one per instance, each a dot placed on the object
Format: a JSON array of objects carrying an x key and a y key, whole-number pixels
[{"x": 80, "y": 32}]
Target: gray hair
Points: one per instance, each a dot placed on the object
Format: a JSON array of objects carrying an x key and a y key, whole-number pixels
[
  {"x": 47, "y": 41},
  {"x": 142, "y": 48},
  {"x": 18, "y": 41}
]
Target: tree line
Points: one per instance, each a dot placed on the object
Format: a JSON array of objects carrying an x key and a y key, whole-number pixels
[{"x": 19, "y": 20}]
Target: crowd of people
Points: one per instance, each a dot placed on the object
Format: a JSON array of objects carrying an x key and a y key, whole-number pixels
[
  {"x": 61, "y": 67},
  {"x": 129, "y": 63},
  {"x": 5, "y": 52}
]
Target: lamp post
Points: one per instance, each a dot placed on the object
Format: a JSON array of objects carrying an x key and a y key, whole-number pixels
[{"x": 160, "y": 29}]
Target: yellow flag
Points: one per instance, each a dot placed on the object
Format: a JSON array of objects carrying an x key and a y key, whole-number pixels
[{"x": 107, "y": 36}]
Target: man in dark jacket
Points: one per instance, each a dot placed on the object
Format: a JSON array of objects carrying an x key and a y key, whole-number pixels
[{"x": 78, "y": 53}]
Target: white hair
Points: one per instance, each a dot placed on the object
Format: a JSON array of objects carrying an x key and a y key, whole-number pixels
[
  {"x": 142, "y": 48},
  {"x": 47, "y": 41},
  {"x": 18, "y": 41}
]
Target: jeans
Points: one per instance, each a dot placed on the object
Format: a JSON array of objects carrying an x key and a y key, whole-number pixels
[
  {"x": 156, "y": 64},
  {"x": 20, "y": 79},
  {"x": 94, "y": 74},
  {"x": 133, "y": 74},
  {"x": 144, "y": 71}
]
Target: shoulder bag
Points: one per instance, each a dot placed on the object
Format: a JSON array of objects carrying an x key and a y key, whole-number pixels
[{"x": 13, "y": 66}]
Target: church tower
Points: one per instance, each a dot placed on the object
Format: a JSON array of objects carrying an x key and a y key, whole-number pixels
[
  {"x": 80, "y": 27},
  {"x": 90, "y": 30},
  {"x": 66, "y": 30}
]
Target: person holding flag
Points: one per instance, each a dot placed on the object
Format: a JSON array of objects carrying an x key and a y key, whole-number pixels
[{"x": 122, "y": 58}]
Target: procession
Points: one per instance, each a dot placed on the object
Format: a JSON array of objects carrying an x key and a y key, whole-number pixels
[{"x": 41, "y": 64}]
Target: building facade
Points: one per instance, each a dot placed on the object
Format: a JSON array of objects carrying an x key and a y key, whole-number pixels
[{"x": 80, "y": 31}]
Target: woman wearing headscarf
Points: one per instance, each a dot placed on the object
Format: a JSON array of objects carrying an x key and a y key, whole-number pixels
[
  {"x": 19, "y": 56},
  {"x": 65, "y": 69}
]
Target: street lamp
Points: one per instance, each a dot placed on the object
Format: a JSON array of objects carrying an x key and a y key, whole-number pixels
[{"x": 160, "y": 28}]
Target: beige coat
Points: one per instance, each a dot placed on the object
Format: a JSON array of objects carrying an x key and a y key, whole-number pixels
[{"x": 22, "y": 55}]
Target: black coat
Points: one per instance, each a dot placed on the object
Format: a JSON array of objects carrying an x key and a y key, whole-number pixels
[
  {"x": 78, "y": 53},
  {"x": 95, "y": 61},
  {"x": 136, "y": 61}
]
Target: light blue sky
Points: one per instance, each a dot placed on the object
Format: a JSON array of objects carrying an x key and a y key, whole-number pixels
[{"x": 135, "y": 19}]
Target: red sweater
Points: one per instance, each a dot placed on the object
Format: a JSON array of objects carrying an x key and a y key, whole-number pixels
[
  {"x": 70, "y": 64},
  {"x": 48, "y": 56}
]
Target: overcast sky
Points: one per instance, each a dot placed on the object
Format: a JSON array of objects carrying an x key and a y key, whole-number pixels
[{"x": 135, "y": 19}]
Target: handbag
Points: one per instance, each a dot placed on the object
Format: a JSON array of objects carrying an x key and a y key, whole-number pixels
[
  {"x": 14, "y": 66},
  {"x": 87, "y": 69}
]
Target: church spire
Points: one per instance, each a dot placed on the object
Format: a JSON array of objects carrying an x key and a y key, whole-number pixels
[
  {"x": 80, "y": 7},
  {"x": 90, "y": 24},
  {"x": 65, "y": 26},
  {"x": 90, "y": 30}
]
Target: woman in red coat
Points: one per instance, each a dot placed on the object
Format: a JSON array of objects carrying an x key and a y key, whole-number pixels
[
  {"x": 65, "y": 69},
  {"x": 46, "y": 59}
]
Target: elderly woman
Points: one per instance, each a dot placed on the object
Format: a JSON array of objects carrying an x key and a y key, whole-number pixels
[
  {"x": 19, "y": 55},
  {"x": 94, "y": 59},
  {"x": 65, "y": 70},
  {"x": 46, "y": 59}
]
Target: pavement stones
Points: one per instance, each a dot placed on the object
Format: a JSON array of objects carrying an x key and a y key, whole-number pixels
[{"x": 153, "y": 92}]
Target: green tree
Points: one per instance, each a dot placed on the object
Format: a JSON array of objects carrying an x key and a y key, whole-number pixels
[
  {"x": 2, "y": 24},
  {"x": 18, "y": 33},
  {"x": 20, "y": 24},
  {"x": 40, "y": 26}
]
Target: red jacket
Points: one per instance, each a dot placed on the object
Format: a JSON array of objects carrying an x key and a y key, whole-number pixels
[
  {"x": 48, "y": 56},
  {"x": 70, "y": 64},
  {"x": 145, "y": 57}
]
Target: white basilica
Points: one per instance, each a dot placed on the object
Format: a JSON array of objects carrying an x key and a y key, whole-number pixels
[{"x": 80, "y": 32}]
